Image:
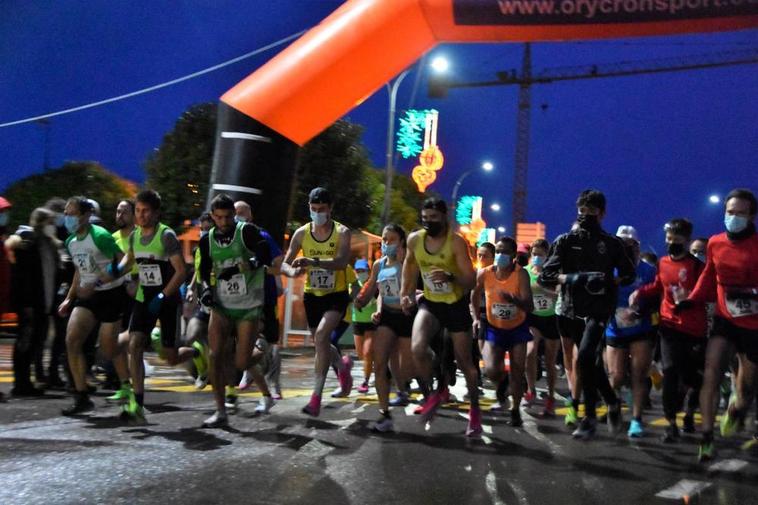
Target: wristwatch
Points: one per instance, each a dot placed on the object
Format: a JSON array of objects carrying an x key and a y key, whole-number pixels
[{"x": 316, "y": 262}]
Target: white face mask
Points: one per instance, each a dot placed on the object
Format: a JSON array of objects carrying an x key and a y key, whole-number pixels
[{"x": 319, "y": 218}]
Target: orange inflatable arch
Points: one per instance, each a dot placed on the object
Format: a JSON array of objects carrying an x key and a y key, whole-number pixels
[{"x": 364, "y": 43}]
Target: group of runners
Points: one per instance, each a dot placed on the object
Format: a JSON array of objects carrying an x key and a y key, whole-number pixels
[{"x": 425, "y": 308}]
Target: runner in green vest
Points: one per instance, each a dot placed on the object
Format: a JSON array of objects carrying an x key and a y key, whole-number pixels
[
  {"x": 93, "y": 298},
  {"x": 157, "y": 253},
  {"x": 235, "y": 253}
]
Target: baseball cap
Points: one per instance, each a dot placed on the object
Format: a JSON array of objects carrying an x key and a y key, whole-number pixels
[
  {"x": 523, "y": 248},
  {"x": 319, "y": 195},
  {"x": 4, "y": 204},
  {"x": 361, "y": 264},
  {"x": 626, "y": 231}
]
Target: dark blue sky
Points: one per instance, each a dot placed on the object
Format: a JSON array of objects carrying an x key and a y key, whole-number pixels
[{"x": 658, "y": 145}]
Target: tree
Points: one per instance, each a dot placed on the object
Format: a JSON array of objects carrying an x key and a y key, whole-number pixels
[
  {"x": 180, "y": 168},
  {"x": 87, "y": 178}
]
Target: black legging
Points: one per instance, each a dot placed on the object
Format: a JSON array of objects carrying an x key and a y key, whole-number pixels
[
  {"x": 683, "y": 359},
  {"x": 32, "y": 334},
  {"x": 590, "y": 365}
]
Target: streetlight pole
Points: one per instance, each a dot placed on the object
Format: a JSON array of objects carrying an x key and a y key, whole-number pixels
[
  {"x": 486, "y": 166},
  {"x": 388, "y": 155}
]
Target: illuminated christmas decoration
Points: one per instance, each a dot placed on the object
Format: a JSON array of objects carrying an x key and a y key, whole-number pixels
[
  {"x": 487, "y": 235},
  {"x": 409, "y": 133},
  {"x": 431, "y": 158},
  {"x": 468, "y": 213}
]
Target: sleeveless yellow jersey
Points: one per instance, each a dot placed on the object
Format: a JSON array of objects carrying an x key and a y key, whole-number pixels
[
  {"x": 320, "y": 281},
  {"x": 444, "y": 259}
]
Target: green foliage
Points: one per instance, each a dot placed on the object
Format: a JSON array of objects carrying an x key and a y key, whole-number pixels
[
  {"x": 180, "y": 169},
  {"x": 74, "y": 178}
]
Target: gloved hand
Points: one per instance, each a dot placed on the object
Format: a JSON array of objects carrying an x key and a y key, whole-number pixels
[
  {"x": 228, "y": 273},
  {"x": 206, "y": 297},
  {"x": 155, "y": 304},
  {"x": 114, "y": 270},
  {"x": 683, "y": 305}
]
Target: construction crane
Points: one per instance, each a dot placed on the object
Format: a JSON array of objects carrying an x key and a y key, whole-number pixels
[{"x": 439, "y": 85}]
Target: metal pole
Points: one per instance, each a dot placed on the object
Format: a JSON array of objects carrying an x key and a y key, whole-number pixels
[
  {"x": 454, "y": 196},
  {"x": 389, "y": 169}
]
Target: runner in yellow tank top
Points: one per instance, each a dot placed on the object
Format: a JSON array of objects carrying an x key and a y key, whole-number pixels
[
  {"x": 326, "y": 253},
  {"x": 509, "y": 300},
  {"x": 442, "y": 259}
]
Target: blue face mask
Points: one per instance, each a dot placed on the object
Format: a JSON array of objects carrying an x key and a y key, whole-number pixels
[
  {"x": 239, "y": 219},
  {"x": 735, "y": 224},
  {"x": 71, "y": 223},
  {"x": 4, "y": 219},
  {"x": 389, "y": 250},
  {"x": 538, "y": 261},
  {"x": 503, "y": 260},
  {"x": 319, "y": 218}
]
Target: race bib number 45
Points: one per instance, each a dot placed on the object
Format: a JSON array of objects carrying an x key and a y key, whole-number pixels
[
  {"x": 504, "y": 311},
  {"x": 321, "y": 279},
  {"x": 150, "y": 275},
  {"x": 742, "y": 307}
]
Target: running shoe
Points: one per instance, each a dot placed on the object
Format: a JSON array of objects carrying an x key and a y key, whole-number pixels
[
  {"x": 217, "y": 420},
  {"x": 549, "y": 410},
  {"x": 445, "y": 395},
  {"x": 586, "y": 429},
  {"x": 122, "y": 395},
  {"x": 363, "y": 388},
  {"x": 671, "y": 435},
  {"x": 201, "y": 364},
  {"x": 230, "y": 400},
  {"x": 430, "y": 406},
  {"x": 201, "y": 381},
  {"x": 571, "y": 417},
  {"x": 635, "y": 429},
  {"x": 345, "y": 376},
  {"x": 384, "y": 424},
  {"x": 137, "y": 416},
  {"x": 615, "y": 418},
  {"x": 314, "y": 406},
  {"x": 81, "y": 405},
  {"x": 705, "y": 451},
  {"x": 277, "y": 394},
  {"x": 339, "y": 393},
  {"x": 264, "y": 405},
  {"x": 246, "y": 381},
  {"x": 401, "y": 399},
  {"x": 499, "y": 407},
  {"x": 516, "y": 420},
  {"x": 688, "y": 425},
  {"x": 731, "y": 422},
  {"x": 474, "y": 428},
  {"x": 528, "y": 399}
]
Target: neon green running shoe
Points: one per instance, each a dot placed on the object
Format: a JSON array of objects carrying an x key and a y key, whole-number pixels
[
  {"x": 571, "y": 417},
  {"x": 705, "y": 451},
  {"x": 731, "y": 422},
  {"x": 201, "y": 364},
  {"x": 122, "y": 395},
  {"x": 155, "y": 340}
]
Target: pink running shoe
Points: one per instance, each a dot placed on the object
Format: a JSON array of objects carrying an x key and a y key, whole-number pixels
[
  {"x": 345, "y": 376},
  {"x": 549, "y": 410},
  {"x": 445, "y": 395},
  {"x": 363, "y": 388},
  {"x": 474, "y": 428},
  {"x": 430, "y": 407},
  {"x": 314, "y": 406}
]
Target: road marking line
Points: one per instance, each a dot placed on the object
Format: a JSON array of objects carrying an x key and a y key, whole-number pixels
[{"x": 683, "y": 490}]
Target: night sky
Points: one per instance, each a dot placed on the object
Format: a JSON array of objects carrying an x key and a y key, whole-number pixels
[{"x": 658, "y": 145}]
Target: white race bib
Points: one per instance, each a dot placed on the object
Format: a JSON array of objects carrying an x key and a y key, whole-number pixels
[
  {"x": 150, "y": 275},
  {"x": 321, "y": 278},
  {"x": 438, "y": 288},
  {"x": 234, "y": 287},
  {"x": 84, "y": 263},
  {"x": 390, "y": 287},
  {"x": 504, "y": 311},
  {"x": 742, "y": 307},
  {"x": 543, "y": 302}
]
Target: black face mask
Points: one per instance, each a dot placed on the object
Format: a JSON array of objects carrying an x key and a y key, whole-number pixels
[
  {"x": 587, "y": 221},
  {"x": 675, "y": 249},
  {"x": 522, "y": 260},
  {"x": 433, "y": 228}
]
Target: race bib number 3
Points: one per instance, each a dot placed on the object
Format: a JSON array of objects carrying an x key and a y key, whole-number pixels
[
  {"x": 150, "y": 275},
  {"x": 439, "y": 288},
  {"x": 742, "y": 307},
  {"x": 321, "y": 279},
  {"x": 504, "y": 311},
  {"x": 234, "y": 287}
]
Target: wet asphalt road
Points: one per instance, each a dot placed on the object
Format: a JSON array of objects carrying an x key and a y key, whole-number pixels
[{"x": 288, "y": 458}]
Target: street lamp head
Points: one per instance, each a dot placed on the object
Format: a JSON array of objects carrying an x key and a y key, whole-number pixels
[
  {"x": 501, "y": 229},
  {"x": 495, "y": 207},
  {"x": 487, "y": 166},
  {"x": 440, "y": 64},
  {"x": 714, "y": 199}
]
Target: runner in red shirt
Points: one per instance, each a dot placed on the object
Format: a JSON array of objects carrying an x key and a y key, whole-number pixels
[
  {"x": 682, "y": 334},
  {"x": 731, "y": 279}
]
